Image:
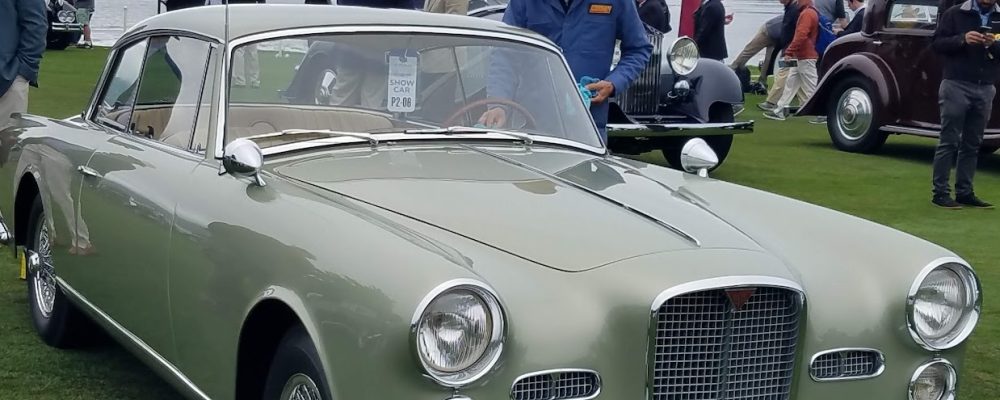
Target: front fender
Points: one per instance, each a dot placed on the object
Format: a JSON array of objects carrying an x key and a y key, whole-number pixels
[
  {"x": 714, "y": 82},
  {"x": 867, "y": 65}
]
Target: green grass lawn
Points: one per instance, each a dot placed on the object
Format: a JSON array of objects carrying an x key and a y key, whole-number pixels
[{"x": 792, "y": 158}]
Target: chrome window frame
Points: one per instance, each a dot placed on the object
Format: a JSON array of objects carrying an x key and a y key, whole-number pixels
[
  {"x": 597, "y": 377},
  {"x": 971, "y": 321},
  {"x": 881, "y": 359},
  {"x": 223, "y": 97},
  {"x": 719, "y": 283}
]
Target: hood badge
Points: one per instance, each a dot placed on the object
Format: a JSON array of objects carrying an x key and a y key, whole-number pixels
[{"x": 739, "y": 297}]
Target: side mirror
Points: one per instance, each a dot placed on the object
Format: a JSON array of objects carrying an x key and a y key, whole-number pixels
[
  {"x": 243, "y": 158},
  {"x": 698, "y": 157}
]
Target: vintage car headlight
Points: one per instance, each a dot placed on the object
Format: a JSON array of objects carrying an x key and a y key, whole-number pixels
[
  {"x": 943, "y": 304},
  {"x": 934, "y": 380},
  {"x": 684, "y": 56},
  {"x": 65, "y": 16},
  {"x": 458, "y": 332}
]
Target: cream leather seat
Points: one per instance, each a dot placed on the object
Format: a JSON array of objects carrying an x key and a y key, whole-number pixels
[{"x": 255, "y": 119}]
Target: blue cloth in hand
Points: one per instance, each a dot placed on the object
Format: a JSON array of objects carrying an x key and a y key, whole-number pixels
[{"x": 587, "y": 94}]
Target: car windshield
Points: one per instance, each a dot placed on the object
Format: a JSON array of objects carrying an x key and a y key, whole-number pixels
[{"x": 381, "y": 83}]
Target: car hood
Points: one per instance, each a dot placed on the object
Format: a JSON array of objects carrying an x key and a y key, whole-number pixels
[{"x": 561, "y": 208}]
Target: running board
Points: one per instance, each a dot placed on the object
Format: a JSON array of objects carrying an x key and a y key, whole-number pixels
[{"x": 904, "y": 130}]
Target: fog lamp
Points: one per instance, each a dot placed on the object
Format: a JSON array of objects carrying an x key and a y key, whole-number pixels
[{"x": 934, "y": 380}]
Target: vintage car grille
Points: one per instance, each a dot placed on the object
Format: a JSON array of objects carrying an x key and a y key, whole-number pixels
[
  {"x": 706, "y": 347},
  {"x": 642, "y": 98},
  {"x": 556, "y": 385},
  {"x": 846, "y": 364}
]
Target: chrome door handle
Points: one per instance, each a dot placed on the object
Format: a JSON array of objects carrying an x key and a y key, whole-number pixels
[
  {"x": 87, "y": 171},
  {"x": 877, "y": 42}
]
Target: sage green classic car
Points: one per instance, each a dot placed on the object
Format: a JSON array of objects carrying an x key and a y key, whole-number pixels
[{"x": 382, "y": 244}]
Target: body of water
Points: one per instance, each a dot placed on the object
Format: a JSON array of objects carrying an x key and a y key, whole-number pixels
[{"x": 111, "y": 17}]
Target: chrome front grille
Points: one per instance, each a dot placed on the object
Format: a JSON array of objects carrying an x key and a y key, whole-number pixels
[
  {"x": 707, "y": 346},
  {"x": 642, "y": 96},
  {"x": 846, "y": 364},
  {"x": 557, "y": 385}
]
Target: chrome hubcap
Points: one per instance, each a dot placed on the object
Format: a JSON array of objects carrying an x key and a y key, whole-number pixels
[
  {"x": 300, "y": 387},
  {"x": 44, "y": 279},
  {"x": 854, "y": 114}
]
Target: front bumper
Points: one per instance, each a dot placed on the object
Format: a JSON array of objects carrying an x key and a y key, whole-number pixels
[
  {"x": 679, "y": 129},
  {"x": 66, "y": 27}
]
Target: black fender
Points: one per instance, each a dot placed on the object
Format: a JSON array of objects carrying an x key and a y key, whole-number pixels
[
  {"x": 866, "y": 65},
  {"x": 302, "y": 83},
  {"x": 712, "y": 82}
]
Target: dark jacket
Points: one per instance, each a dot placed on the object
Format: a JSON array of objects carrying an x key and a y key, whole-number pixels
[
  {"x": 655, "y": 14},
  {"x": 710, "y": 30},
  {"x": 964, "y": 62},
  {"x": 788, "y": 22},
  {"x": 855, "y": 25},
  {"x": 23, "y": 26}
]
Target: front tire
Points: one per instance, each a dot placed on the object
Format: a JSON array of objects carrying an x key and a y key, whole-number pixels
[
  {"x": 987, "y": 150},
  {"x": 852, "y": 117},
  {"x": 56, "y": 320},
  {"x": 296, "y": 372},
  {"x": 720, "y": 144},
  {"x": 58, "y": 41}
]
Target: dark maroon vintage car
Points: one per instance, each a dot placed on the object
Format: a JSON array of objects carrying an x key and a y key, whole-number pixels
[{"x": 884, "y": 80}]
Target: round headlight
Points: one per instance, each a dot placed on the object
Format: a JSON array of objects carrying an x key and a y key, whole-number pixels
[
  {"x": 684, "y": 56},
  {"x": 943, "y": 304},
  {"x": 65, "y": 16},
  {"x": 934, "y": 380},
  {"x": 458, "y": 332}
]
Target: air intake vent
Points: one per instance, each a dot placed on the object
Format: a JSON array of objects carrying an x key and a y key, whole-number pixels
[
  {"x": 843, "y": 364},
  {"x": 557, "y": 385}
]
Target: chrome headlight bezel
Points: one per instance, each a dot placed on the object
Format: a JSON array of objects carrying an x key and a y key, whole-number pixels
[
  {"x": 489, "y": 357},
  {"x": 676, "y": 56},
  {"x": 66, "y": 17},
  {"x": 967, "y": 322},
  {"x": 950, "y": 386}
]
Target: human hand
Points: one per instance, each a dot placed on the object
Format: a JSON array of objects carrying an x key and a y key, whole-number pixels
[
  {"x": 604, "y": 90},
  {"x": 729, "y": 19},
  {"x": 494, "y": 118},
  {"x": 989, "y": 39},
  {"x": 973, "y": 37}
]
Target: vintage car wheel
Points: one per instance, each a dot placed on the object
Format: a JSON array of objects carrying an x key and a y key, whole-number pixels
[
  {"x": 720, "y": 144},
  {"x": 60, "y": 41},
  {"x": 296, "y": 372},
  {"x": 56, "y": 320},
  {"x": 851, "y": 118},
  {"x": 987, "y": 150}
]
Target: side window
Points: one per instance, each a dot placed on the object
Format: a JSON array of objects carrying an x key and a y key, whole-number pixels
[
  {"x": 913, "y": 14},
  {"x": 170, "y": 90},
  {"x": 114, "y": 110}
]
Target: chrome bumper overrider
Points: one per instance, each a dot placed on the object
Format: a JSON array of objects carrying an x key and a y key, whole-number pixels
[
  {"x": 63, "y": 27},
  {"x": 683, "y": 129}
]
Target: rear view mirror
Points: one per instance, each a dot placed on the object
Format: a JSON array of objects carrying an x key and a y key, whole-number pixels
[{"x": 698, "y": 157}]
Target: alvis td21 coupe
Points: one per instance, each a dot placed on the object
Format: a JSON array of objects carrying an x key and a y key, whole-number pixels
[{"x": 380, "y": 245}]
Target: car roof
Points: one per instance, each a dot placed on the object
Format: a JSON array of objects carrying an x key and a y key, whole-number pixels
[{"x": 249, "y": 19}]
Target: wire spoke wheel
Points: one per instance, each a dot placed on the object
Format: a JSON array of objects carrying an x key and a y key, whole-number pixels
[
  {"x": 44, "y": 280},
  {"x": 300, "y": 387}
]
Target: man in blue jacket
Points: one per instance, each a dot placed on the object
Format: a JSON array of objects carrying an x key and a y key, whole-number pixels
[
  {"x": 586, "y": 31},
  {"x": 22, "y": 42}
]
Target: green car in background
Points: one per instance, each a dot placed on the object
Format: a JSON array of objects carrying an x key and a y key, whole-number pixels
[{"x": 382, "y": 244}]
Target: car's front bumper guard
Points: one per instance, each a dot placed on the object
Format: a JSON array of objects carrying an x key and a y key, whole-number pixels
[
  {"x": 66, "y": 27},
  {"x": 679, "y": 129}
]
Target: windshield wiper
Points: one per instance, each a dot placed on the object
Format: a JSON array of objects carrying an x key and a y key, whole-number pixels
[
  {"x": 317, "y": 134},
  {"x": 463, "y": 130}
]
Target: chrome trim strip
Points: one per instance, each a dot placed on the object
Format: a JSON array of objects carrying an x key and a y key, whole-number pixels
[
  {"x": 724, "y": 282},
  {"x": 905, "y": 130},
  {"x": 677, "y": 231},
  {"x": 881, "y": 368},
  {"x": 400, "y": 137},
  {"x": 597, "y": 376},
  {"x": 493, "y": 351},
  {"x": 949, "y": 393},
  {"x": 970, "y": 321},
  {"x": 231, "y": 46},
  {"x": 135, "y": 340}
]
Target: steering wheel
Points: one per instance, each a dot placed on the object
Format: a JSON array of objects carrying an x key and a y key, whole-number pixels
[{"x": 478, "y": 103}]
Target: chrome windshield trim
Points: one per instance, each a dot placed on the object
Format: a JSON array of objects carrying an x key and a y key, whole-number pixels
[
  {"x": 135, "y": 340},
  {"x": 231, "y": 46},
  {"x": 597, "y": 379},
  {"x": 971, "y": 320},
  {"x": 401, "y": 137},
  {"x": 881, "y": 366},
  {"x": 724, "y": 282}
]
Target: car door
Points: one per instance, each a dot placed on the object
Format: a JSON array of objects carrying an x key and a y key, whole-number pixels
[
  {"x": 132, "y": 184},
  {"x": 905, "y": 44}
]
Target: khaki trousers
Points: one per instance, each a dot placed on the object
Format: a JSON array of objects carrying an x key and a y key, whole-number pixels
[
  {"x": 359, "y": 87},
  {"x": 801, "y": 83},
  {"x": 759, "y": 42},
  {"x": 15, "y": 100},
  {"x": 458, "y": 7}
]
